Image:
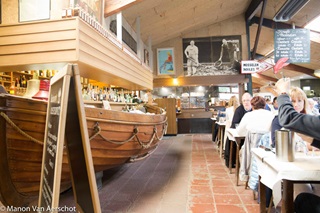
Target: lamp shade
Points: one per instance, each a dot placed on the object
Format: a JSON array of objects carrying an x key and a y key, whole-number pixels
[{"x": 43, "y": 93}]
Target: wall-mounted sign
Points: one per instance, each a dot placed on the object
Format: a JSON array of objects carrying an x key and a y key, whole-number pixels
[
  {"x": 248, "y": 67},
  {"x": 293, "y": 44}
]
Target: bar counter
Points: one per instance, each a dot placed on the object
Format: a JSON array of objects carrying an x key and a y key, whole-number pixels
[{"x": 195, "y": 120}]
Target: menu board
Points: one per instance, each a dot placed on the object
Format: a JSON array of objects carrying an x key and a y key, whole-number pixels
[
  {"x": 53, "y": 146},
  {"x": 66, "y": 123},
  {"x": 293, "y": 44}
]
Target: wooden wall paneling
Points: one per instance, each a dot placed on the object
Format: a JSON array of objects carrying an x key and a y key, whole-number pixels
[
  {"x": 96, "y": 51},
  {"x": 52, "y": 44}
]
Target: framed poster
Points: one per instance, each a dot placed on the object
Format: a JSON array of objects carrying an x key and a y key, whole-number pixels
[
  {"x": 32, "y": 10},
  {"x": 165, "y": 61},
  {"x": 219, "y": 55}
]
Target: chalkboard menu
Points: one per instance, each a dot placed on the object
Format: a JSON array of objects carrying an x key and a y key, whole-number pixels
[
  {"x": 53, "y": 147},
  {"x": 66, "y": 120},
  {"x": 293, "y": 44}
]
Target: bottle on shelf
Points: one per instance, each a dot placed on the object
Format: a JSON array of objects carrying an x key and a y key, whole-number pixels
[
  {"x": 17, "y": 82},
  {"x": 12, "y": 89},
  {"x": 23, "y": 81}
]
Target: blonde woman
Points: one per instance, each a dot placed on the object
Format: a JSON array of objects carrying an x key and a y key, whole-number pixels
[
  {"x": 232, "y": 106},
  {"x": 301, "y": 104},
  {"x": 299, "y": 100}
]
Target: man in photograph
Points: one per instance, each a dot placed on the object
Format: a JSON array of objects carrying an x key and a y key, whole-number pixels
[
  {"x": 233, "y": 53},
  {"x": 191, "y": 53}
]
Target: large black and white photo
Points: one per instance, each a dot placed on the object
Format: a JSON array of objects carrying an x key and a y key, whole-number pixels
[{"x": 212, "y": 55}]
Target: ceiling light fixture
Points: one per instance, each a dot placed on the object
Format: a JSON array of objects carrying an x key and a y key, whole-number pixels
[
  {"x": 289, "y": 9},
  {"x": 317, "y": 73},
  {"x": 175, "y": 81}
]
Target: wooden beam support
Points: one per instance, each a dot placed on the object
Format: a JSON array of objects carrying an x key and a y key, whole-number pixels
[
  {"x": 114, "y": 6},
  {"x": 264, "y": 77},
  {"x": 253, "y": 9},
  {"x": 271, "y": 24},
  {"x": 300, "y": 69},
  {"x": 259, "y": 30},
  {"x": 256, "y": 85}
]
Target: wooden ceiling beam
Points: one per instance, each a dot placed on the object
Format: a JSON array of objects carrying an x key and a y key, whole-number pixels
[
  {"x": 259, "y": 29},
  {"x": 271, "y": 24},
  {"x": 253, "y": 8},
  {"x": 114, "y": 6},
  {"x": 256, "y": 85},
  {"x": 264, "y": 77},
  {"x": 300, "y": 69}
]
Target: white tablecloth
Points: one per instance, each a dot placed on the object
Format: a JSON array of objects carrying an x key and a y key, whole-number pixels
[{"x": 273, "y": 171}]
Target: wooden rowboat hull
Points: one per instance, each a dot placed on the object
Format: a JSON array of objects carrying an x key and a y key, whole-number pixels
[{"x": 116, "y": 138}]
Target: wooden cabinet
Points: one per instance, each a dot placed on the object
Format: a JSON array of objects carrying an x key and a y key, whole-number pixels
[{"x": 169, "y": 104}]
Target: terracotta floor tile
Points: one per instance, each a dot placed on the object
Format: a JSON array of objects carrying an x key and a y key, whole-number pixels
[
  {"x": 200, "y": 190},
  {"x": 201, "y": 175},
  {"x": 224, "y": 190},
  {"x": 196, "y": 181},
  {"x": 227, "y": 199},
  {"x": 252, "y": 208},
  {"x": 223, "y": 176},
  {"x": 230, "y": 208},
  {"x": 221, "y": 182},
  {"x": 202, "y": 208},
  {"x": 201, "y": 199},
  {"x": 242, "y": 190},
  {"x": 218, "y": 168},
  {"x": 248, "y": 198}
]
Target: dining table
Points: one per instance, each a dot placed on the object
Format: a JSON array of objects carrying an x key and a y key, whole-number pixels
[
  {"x": 280, "y": 176},
  {"x": 236, "y": 139}
]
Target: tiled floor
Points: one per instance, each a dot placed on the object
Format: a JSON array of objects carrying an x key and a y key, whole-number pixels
[
  {"x": 184, "y": 174},
  {"x": 212, "y": 187}
]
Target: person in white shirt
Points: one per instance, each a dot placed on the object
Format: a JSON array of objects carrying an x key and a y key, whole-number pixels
[{"x": 259, "y": 119}]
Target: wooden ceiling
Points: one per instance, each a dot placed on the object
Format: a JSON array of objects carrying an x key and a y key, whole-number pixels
[{"x": 168, "y": 19}]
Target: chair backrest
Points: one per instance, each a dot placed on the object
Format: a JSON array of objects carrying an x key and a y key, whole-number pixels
[
  {"x": 251, "y": 141},
  {"x": 253, "y": 181}
]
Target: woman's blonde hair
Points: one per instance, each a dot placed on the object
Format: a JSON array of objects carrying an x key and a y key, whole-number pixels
[
  {"x": 299, "y": 94},
  {"x": 233, "y": 102}
]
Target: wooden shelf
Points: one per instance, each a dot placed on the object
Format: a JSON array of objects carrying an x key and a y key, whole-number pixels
[{"x": 7, "y": 76}]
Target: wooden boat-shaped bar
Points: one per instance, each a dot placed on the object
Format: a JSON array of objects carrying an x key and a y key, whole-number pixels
[{"x": 116, "y": 138}]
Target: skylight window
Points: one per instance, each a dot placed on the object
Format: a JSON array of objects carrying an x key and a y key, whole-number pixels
[{"x": 314, "y": 25}]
